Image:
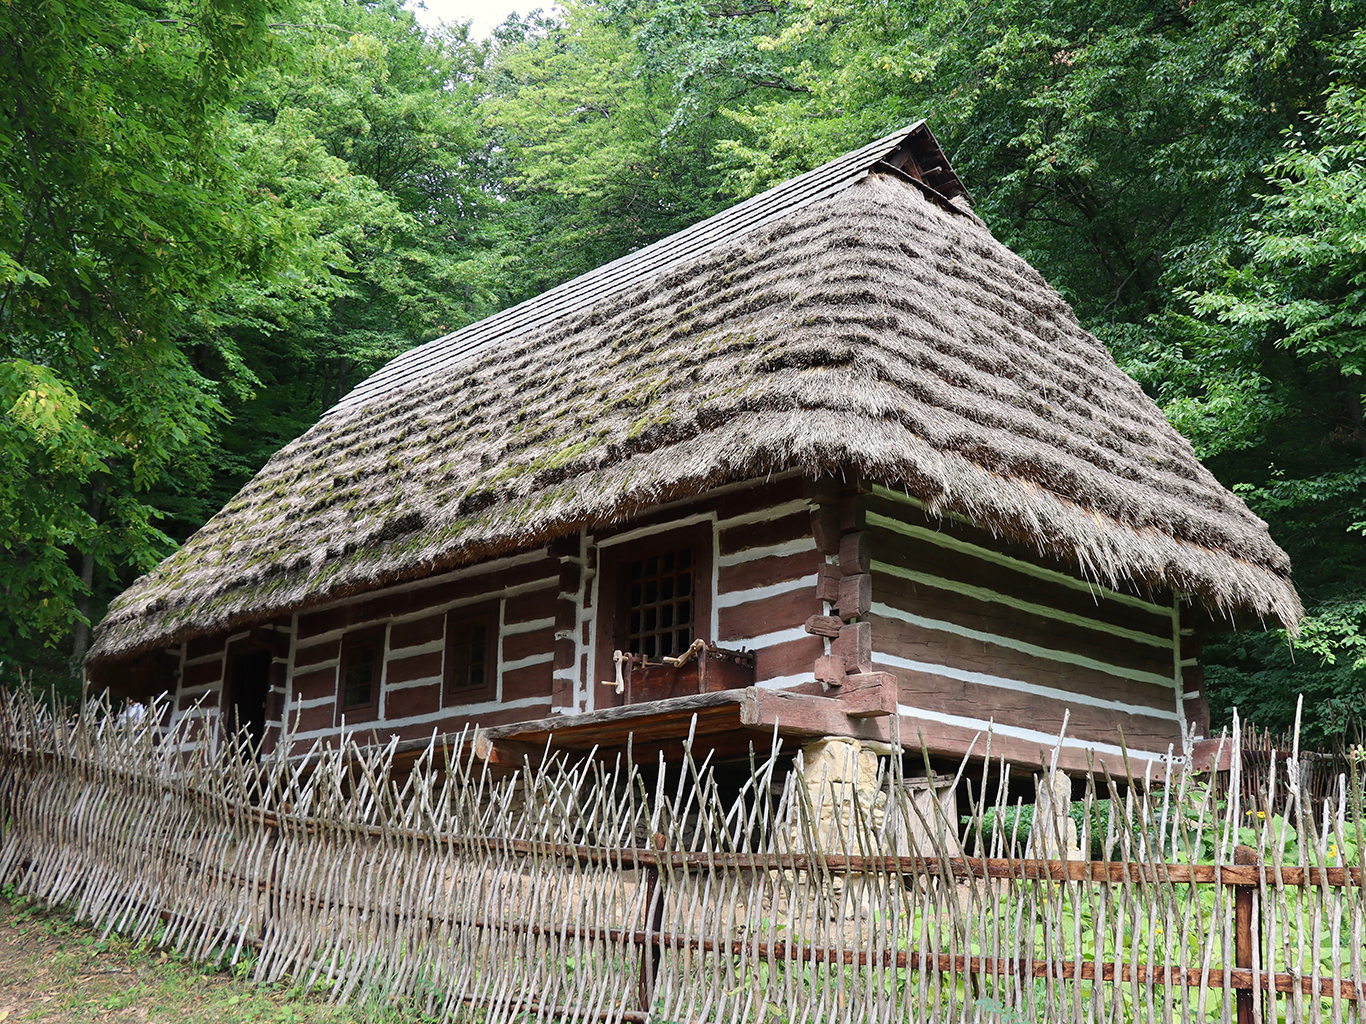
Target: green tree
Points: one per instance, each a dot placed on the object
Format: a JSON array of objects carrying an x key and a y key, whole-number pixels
[
  {"x": 598, "y": 150},
  {"x": 119, "y": 212},
  {"x": 360, "y": 138},
  {"x": 1284, "y": 333}
]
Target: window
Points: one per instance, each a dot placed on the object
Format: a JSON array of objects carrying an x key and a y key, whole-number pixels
[
  {"x": 362, "y": 657},
  {"x": 659, "y": 603},
  {"x": 654, "y": 598},
  {"x": 470, "y": 657}
]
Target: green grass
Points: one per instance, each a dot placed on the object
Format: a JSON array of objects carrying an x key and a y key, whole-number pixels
[{"x": 53, "y": 970}]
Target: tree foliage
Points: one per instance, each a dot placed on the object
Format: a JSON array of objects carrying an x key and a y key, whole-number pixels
[
  {"x": 1284, "y": 323},
  {"x": 361, "y": 137},
  {"x": 214, "y": 223},
  {"x": 119, "y": 214}
]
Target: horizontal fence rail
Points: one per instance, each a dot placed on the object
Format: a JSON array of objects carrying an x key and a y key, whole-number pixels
[{"x": 828, "y": 886}]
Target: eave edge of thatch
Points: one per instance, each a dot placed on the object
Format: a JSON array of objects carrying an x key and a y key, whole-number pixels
[{"x": 1099, "y": 548}]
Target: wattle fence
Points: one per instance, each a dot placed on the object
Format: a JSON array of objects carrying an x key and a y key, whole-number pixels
[{"x": 593, "y": 891}]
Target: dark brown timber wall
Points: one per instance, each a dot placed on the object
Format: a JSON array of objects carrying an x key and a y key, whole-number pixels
[
  {"x": 760, "y": 587},
  {"x": 519, "y": 594},
  {"x": 200, "y": 686},
  {"x": 977, "y": 633},
  {"x": 974, "y": 632},
  {"x": 767, "y": 568},
  {"x": 204, "y": 674}
]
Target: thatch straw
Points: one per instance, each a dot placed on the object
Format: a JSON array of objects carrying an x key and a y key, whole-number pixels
[{"x": 874, "y": 329}]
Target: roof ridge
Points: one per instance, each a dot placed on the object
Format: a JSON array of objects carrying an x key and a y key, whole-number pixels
[{"x": 450, "y": 350}]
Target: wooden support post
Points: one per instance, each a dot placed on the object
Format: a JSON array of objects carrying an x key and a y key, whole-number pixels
[
  {"x": 856, "y": 552},
  {"x": 856, "y": 595},
  {"x": 566, "y": 653},
  {"x": 828, "y": 585},
  {"x": 839, "y": 524},
  {"x": 1243, "y": 898},
  {"x": 825, "y": 490},
  {"x": 853, "y": 514},
  {"x": 824, "y": 625},
  {"x": 825, "y": 528},
  {"x": 830, "y": 671},
  {"x": 869, "y": 695},
  {"x": 275, "y": 701}
]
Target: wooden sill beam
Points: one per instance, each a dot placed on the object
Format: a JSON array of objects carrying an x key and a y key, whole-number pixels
[{"x": 858, "y": 709}]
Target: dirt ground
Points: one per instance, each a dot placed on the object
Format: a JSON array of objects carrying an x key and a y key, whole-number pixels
[{"x": 53, "y": 970}]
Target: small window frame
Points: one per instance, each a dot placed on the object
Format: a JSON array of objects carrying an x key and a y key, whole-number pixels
[
  {"x": 612, "y": 613},
  {"x": 484, "y": 615},
  {"x": 350, "y": 644}
]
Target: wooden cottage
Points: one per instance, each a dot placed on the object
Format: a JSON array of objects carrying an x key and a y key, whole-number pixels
[{"x": 833, "y": 461}]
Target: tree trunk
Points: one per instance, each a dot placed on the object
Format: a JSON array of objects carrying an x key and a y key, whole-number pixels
[
  {"x": 81, "y": 639},
  {"x": 1352, "y": 387},
  {"x": 82, "y": 632}
]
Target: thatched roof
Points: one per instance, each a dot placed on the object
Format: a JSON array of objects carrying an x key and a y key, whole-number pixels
[{"x": 853, "y": 317}]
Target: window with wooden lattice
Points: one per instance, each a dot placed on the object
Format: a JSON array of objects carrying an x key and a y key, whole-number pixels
[
  {"x": 470, "y": 663},
  {"x": 660, "y": 600},
  {"x": 358, "y": 675},
  {"x": 654, "y": 597}
]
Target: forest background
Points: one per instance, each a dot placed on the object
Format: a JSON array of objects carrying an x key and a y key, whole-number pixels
[{"x": 216, "y": 216}]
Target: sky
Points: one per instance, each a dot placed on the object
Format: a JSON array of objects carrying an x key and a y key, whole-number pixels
[{"x": 483, "y": 15}]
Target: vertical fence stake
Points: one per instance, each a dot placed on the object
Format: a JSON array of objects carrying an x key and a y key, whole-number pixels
[
  {"x": 1244, "y": 895},
  {"x": 209, "y": 850},
  {"x": 650, "y": 952},
  {"x": 270, "y": 911}
]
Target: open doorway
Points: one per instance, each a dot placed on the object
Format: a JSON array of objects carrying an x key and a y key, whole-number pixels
[{"x": 244, "y": 703}]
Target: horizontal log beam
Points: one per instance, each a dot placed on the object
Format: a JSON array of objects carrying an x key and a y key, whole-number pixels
[
  {"x": 802, "y": 715},
  {"x": 869, "y": 695}
]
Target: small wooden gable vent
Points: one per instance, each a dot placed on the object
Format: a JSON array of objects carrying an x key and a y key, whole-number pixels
[{"x": 920, "y": 158}]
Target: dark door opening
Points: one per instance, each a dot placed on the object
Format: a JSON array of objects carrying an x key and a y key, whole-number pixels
[{"x": 248, "y": 687}]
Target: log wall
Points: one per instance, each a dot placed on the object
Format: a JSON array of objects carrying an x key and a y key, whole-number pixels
[
  {"x": 977, "y": 633},
  {"x": 767, "y": 570},
  {"x": 200, "y": 680},
  {"x": 761, "y": 587},
  {"x": 520, "y": 594},
  {"x": 974, "y": 631}
]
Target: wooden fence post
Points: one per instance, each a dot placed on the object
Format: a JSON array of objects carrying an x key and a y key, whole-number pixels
[
  {"x": 650, "y": 952},
  {"x": 1244, "y": 895}
]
